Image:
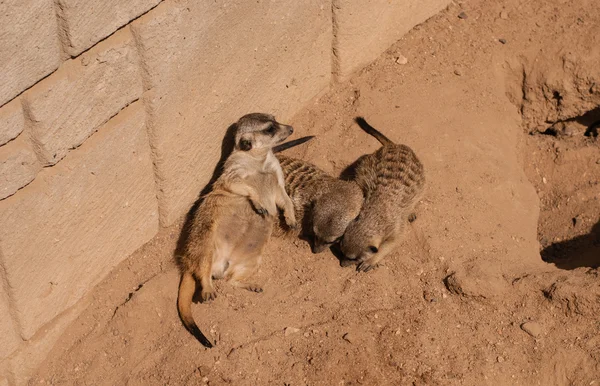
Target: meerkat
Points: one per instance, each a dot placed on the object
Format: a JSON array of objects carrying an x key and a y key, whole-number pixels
[
  {"x": 325, "y": 205},
  {"x": 234, "y": 221},
  {"x": 392, "y": 179}
]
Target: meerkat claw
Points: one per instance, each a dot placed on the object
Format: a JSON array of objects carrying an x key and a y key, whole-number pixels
[
  {"x": 365, "y": 267},
  {"x": 254, "y": 288},
  {"x": 208, "y": 295}
]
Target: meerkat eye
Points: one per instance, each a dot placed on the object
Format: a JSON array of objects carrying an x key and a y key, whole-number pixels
[
  {"x": 271, "y": 129},
  {"x": 245, "y": 144},
  {"x": 373, "y": 249}
]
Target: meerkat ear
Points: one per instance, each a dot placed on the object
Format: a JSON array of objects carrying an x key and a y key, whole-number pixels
[{"x": 245, "y": 144}]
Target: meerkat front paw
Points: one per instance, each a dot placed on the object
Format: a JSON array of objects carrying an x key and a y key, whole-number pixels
[
  {"x": 412, "y": 217},
  {"x": 366, "y": 266},
  {"x": 208, "y": 294},
  {"x": 254, "y": 288},
  {"x": 290, "y": 220}
]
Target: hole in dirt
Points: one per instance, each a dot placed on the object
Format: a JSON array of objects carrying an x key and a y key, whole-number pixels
[
  {"x": 587, "y": 124},
  {"x": 563, "y": 163},
  {"x": 557, "y": 97}
]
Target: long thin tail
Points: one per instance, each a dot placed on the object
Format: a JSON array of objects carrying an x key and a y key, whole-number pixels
[
  {"x": 373, "y": 131},
  {"x": 292, "y": 143},
  {"x": 187, "y": 287}
]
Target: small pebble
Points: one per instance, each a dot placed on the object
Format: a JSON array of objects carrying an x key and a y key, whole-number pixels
[
  {"x": 598, "y": 161},
  {"x": 401, "y": 59},
  {"x": 290, "y": 330},
  {"x": 500, "y": 359},
  {"x": 532, "y": 328},
  {"x": 544, "y": 180},
  {"x": 504, "y": 15},
  {"x": 462, "y": 15},
  {"x": 503, "y": 41},
  {"x": 458, "y": 72}
]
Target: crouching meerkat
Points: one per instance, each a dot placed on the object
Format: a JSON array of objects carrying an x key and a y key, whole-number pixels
[
  {"x": 324, "y": 204},
  {"x": 233, "y": 223},
  {"x": 392, "y": 179}
]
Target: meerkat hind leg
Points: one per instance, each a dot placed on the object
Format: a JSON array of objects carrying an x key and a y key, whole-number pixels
[{"x": 239, "y": 274}]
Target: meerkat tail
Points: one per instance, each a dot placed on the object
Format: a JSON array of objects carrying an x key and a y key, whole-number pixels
[
  {"x": 187, "y": 287},
  {"x": 293, "y": 143},
  {"x": 373, "y": 131}
]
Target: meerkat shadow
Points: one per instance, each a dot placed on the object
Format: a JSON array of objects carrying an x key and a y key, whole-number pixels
[
  {"x": 336, "y": 251},
  {"x": 227, "y": 145}
]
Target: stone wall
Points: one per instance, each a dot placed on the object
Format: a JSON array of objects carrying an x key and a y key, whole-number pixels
[{"x": 111, "y": 119}]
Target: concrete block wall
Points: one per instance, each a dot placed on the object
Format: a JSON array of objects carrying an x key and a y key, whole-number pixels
[{"x": 111, "y": 119}]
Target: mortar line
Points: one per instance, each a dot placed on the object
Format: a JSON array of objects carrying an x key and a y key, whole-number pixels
[{"x": 66, "y": 56}]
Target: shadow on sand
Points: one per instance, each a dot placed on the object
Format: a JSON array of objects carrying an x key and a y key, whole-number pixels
[
  {"x": 226, "y": 148},
  {"x": 581, "y": 251}
]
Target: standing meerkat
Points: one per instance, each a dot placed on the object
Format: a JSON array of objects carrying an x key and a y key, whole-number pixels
[
  {"x": 392, "y": 179},
  {"x": 325, "y": 205},
  {"x": 232, "y": 225}
]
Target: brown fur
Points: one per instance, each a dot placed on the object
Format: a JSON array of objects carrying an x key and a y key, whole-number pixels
[
  {"x": 234, "y": 221},
  {"x": 392, "y": 179},
  {"x": 323, "y": 203}
]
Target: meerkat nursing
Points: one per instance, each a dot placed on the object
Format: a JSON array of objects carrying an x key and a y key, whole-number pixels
[
  {"x": 233, "y": 223},
  {"x": 392, "y": 179},
  {"x": 323, "y": 203}
]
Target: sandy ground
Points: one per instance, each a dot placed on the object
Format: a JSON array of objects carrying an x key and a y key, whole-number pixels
[{"x": 467, "y": 298}]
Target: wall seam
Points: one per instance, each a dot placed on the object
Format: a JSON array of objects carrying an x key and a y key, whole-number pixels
[
  {"x": 65, "y": 54},
  {"x": 62, "y": 30},
  {"x": 6, "y": 288},
  {"x": 149, "y": 124}
]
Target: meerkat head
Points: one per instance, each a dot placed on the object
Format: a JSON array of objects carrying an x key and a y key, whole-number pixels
[
  {"x": 259, "y": 131},
  {"x": 333, "y": 211},
  {"x": 364, "y": 236}
]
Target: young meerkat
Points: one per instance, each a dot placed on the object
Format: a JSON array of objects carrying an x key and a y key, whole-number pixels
[
  {"x": 325, "y": 205},
  {"x": 392, "y": 179},
  {"x": 232, "y": 225}
]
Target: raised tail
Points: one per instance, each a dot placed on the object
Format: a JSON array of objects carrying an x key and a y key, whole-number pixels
[
  {"x": 373, "y": 131},
  {"x": 292, "y": 143},
  {"x": 187, "y": 287}
]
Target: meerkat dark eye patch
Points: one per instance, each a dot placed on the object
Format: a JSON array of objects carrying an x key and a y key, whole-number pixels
[
  {"x": 245, "y": 144},
  {"x": 270, "y": 130},
  {"x": 373, "y": 249}
]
